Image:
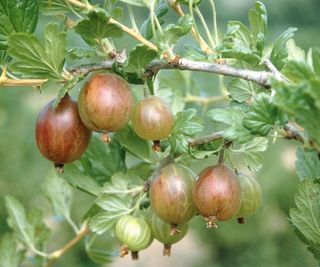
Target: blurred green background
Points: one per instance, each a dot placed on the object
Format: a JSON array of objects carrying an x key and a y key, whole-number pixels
[{"x": 267, "y": 240}]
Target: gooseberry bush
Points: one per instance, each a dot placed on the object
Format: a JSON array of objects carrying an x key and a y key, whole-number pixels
[{"x": 127, "y": 139}]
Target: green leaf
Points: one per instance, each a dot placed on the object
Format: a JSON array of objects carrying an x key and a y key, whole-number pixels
[
  {"x": 146, "y": 28},
  {"x": 104, "y": 221},
  {"x": 237, "y": 35},
  {"x": 97, "y": 27},
  {"x": 241, "y": 90},
  {"x": 307, "y": 164},
  {"x": 139, "y": 58},
  {"x": 113, "y": 203},
  {"x": 30, "y": 229},
  {"x": 242, "y": 54},
  {"x": 4, "y": 58},
  {"x": 237, "y": 42},
  {"x": 294, "y": 51},
  {"x": 60, "y": 195},
  {"x": 279, "y": 52},
  {"x": 73, "y": 174},
  {"x": 187, "y": 124},
  {"x": 18, "y": 221},
  {"x": 17, "y": 16},
  {"x": 70, "y": 84},
  {"x": 263, "y": 115},
  {"x": 79, "y": 53},
  {"x": 114, "y": 207},
  {"x": 306, "y": 217},
  {"x": 258, "y": 24},
  {"x": 42, "y": 232},
  {"x": 233, "y": 117},
  {"x": 316, "y": 60},
  {"x": 296, "y": 102},
  {"x": 173, "y": 32},
  {"x": 101, "y": 160},
  {"x": 298, "y": 70},
  {"x": 251, "y": 152},
  {"x": 9, "y": 256},
  {"x": 56, "y": 7},
  {"x": 35, "y": 59},
  {"x": 137, "y": 146}
]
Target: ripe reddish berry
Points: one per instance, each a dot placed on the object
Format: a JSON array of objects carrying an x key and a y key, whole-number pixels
[
  {"x": 105, "y": 103},
  {"x": 61, "y": 136}
]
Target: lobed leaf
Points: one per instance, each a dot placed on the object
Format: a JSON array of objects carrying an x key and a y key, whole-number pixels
[
  {"x": 295, "y": 100},
  {"x": 233, "y": 118},
  {"x": 173, "y": 32},
  {"x": 97, "y": 27},
  {"x": 17, "y": 16},
  {"x": 279, "y": 52},
  {"x": 307, "y": 164},
  {"x": 136, "y": 145},
  {"x": 251, "y": 152},
  {"x": 187, "y": 124},
  {"x": 9, "y": 255},
  {"x": 35, "y": 59},
  {"x": 74, "y": 175},
  {"x": 263, "y": 115},
  {"x": 60, "y": 194},
  {"x": 306, "y": 216},
  {"x": 139, "y": 58},
  {"x": 101, "y": 161},
  {"x": 30, "y": 228},
  {"x": 241, "y": 90}
]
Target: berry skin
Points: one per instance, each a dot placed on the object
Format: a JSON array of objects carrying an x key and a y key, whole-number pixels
[
  {"x": 217, "y": 194},
  {"x": 171, "y": 194},
  {"x": 105, "y": 103},
  {"x": 133, "y": 233},
  {"x": 60, "y": 134},
  {"x": 251, "y": 197},
  {"x": 152, "y": 119}
]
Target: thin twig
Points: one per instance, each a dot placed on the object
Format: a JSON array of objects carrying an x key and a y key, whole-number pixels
[
  {"x": 204, "y": 24},
  {"x": 205, "y": 139},
  {"x": 131, "y": 32},
  {"x": 204, "y": 99},
  {"x": 58, "y": 253},
  {"x": 215, "y": 25},
  {"x": 134, "y": 34},
  {"x": 259, "y": 77},
  {"x": 277, "y": 74},
  {"x": 132, "y": 19}
]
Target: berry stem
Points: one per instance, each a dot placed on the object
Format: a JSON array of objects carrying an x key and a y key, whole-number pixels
[
  {"x": 123, "y": 251},
  {"x": 221, "y": 156},
  {"x": 59, "y": 167},
  {"x": 135, "y": 255},
  {"x": 105, "y": 138},
  {"x": 211, "y": 222},
  {"x": 167, "y": 250},
  {"x": 156, "y": 146}
]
